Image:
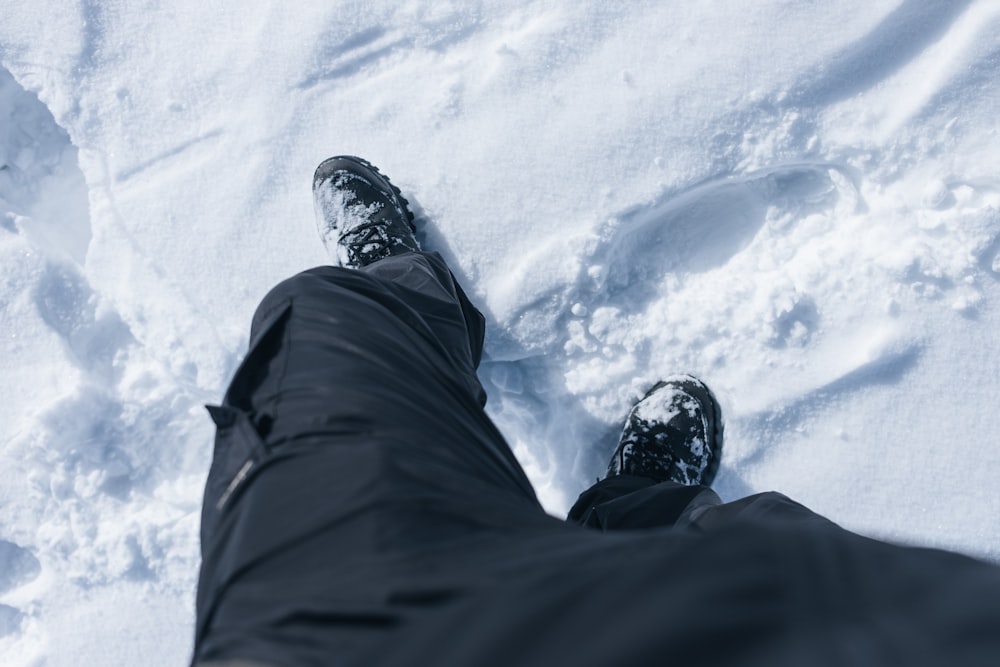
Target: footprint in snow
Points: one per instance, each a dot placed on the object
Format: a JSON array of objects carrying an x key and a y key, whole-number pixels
[{"x": 702, "y": 227}]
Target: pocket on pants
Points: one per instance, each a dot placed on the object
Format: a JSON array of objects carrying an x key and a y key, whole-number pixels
[{"x": 239, "y": 450}]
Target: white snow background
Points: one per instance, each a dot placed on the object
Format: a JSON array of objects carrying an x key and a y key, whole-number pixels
[{"x": 797, "y": 202}]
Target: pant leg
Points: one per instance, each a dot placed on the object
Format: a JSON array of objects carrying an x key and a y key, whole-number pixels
[
  {"x": 351, "y": 443},
  {"x": 631, "y": 502}
]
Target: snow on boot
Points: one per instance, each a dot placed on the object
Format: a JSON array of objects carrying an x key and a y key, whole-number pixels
[
  {"x": 361, "y": 216},
  {"x": 674, "y": 433}
]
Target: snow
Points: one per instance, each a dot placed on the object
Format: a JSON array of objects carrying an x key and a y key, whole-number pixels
[{"x": 797, "y": 202}]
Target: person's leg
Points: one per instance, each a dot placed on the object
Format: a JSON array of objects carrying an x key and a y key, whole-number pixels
[
  {"x": 667, "y": 456},
  {"x": 353, "y": 459},
  {"x": 365, "y": 438},
  {"x": 659, "y": 474}
]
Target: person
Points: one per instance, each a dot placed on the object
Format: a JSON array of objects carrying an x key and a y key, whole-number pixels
[{"x": 362, "y": 509}]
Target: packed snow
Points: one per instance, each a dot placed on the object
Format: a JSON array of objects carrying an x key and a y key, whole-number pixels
[{"x": 797, "y": 202}]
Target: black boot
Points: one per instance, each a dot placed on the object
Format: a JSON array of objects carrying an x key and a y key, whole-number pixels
[
  {"x": 361, "y": 216},
  {"x": 673, "y": 434}
]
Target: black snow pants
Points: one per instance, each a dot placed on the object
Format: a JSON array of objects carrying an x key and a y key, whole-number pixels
[{"x": 362, "y": 509}]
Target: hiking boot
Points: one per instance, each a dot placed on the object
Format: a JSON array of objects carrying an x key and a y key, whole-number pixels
[
  {"x": 361, "y": 216},
  {"x": 673, "y": 434}
]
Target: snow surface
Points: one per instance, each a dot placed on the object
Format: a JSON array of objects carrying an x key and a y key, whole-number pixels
[{"x": 798, "y": 202}]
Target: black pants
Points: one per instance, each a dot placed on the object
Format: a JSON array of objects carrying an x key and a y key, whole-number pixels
[{"x": 362, "y": 509}]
